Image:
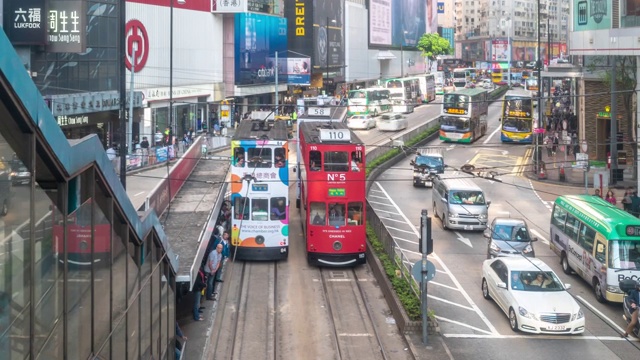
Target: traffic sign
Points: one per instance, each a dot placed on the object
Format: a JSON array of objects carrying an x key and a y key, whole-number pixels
[{"x": 416, "y": 271}]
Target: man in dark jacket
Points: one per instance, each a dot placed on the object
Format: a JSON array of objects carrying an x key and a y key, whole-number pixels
[
  {"x": 634, "y": 299},
  {"x": 198, "y": 286}
]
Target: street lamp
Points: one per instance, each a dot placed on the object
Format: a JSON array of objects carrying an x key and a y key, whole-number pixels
[
  {"x": 327, "y": 51},
  {"x": 539, "y": 76},
  {"x": 507, "y": 23},
  {"x": 402, "y": 55}
]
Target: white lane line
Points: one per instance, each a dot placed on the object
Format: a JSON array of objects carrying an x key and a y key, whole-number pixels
[
  {"x": 390, "y": 212},
  {"x": 401, "y": 230},
  {"x": 379, "y": 203},
  {"x": 374, "y": 190},
  {"x": 140, "y": 193},
  {"x": 545, "y": 203},
  {"x": 391, "y": 219},
  {"x": 490, "y": 136},
  {"x": 540, "y": 337},
  {"x": 377, "y": 197},
  {"x": 440, "y": 271},
  {"x": 405, "y": 240},
  {"x": 461, "y": 324},
  {"x": 355, "y": 335},
  {"x": 445, "y": 269},
  {"x": 600, "y": 314},
  {"x": 442, "y": 285},
  {"x": 539, "y": 236},
  {"x": 449, "y": 302}
]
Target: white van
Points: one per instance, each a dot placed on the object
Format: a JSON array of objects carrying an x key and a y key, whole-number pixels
[{"x": 460, "y": 204}]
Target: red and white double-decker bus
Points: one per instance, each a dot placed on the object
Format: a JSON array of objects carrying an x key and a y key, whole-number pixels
[{"x": 331, "y": 178}]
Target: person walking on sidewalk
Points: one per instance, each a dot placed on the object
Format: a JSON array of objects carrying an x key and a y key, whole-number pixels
[
  {"x": 213, "y": 264},
  {"x": 635, "y": 204},
  {"x": 626, "y": 200},
  {"x": 611, "y": 198}
]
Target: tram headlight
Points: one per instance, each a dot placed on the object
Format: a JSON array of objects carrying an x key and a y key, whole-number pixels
[{"x": 337, "y": 246}]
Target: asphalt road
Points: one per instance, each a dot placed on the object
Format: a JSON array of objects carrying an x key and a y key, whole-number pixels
[{"x": 472, "y": 327}]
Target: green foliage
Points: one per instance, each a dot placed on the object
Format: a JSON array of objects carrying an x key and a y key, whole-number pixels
[
  {"x": 402, "y": 287},
  {"x": 433, "y": 45}
]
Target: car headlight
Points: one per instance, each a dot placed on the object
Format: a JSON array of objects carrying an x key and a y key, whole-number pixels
[
  {"x": 580, "y": 314},
  {"x": 494, "y": 247},
  {"x": 527, "y": 249},
  {"x": 482, "y": 216},
  {"x": 614, "y": 289},
  {"x": 453, "y": 215},
  {"x": 525, "y": 313}
]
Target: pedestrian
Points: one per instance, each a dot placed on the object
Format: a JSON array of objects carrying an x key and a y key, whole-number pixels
[
  {"x": 179, "y": 336},
  {"x": 626, "y": 200},
  {"x": 610, "y": 198},
  {"x": 597, "y": 193},
  {"x": 199, "y": 287},
  {"x": 157, "y": 138},
  {"x": 224, "y": 241},
  {"x": 144, "y": 144},
  {"x": 213, "y": 264},
  {"x": 635, "y": 204},
  {"x": 556, "y": 141},
  {"x": 634, "y": 304}
]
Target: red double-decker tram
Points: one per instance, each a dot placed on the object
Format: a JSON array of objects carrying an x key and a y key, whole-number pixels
[{"x": 331, "y": 198}]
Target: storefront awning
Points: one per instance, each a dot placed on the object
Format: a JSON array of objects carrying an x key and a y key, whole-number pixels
[{"x": 385, "y": 55}]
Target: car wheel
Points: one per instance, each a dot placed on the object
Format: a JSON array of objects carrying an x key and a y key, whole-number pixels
[
  {"x": 485, "y": 290},
  {"x": 513, "y": 320},
  {"x": 444, "y": 221},
  {"x": 597, "y": 290},
  {"x": 435, "y": 213},
  {"x": 4, "y": 209},
  {"x": 565, "y": 264}
]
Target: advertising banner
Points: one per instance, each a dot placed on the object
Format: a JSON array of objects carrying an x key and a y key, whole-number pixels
[
  {"x": 500, "y": 50},
  {"x": 328, "y": 34},
  {"x": 292, "y": 71},
  {"x": 394, "y": 23},
  {"x": 67, "y": 26},
  {"x": 25, "y": 22},
  {"x": 591, "y": 15},
  {"x": 440, "y": 7},
  {"x": 257, "y": 38},
  {"x": 228, "y": 6},
  {"x": 300, "y": 27}
]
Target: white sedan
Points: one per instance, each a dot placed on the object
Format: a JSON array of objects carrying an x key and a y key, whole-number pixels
[
  {"x": 532, "y": 296},
  {"x": 363, "y": 122},
  {"x": 392, "y": 122}
]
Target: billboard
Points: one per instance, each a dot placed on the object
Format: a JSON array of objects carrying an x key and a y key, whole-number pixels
[
  {"x": 257, "y": 38},
  {"x": 300, "y": 27},
  {"x": 25, "y": 22},
  {"x": 500, "y": 50},
  {"x": 242, "y": 6},
  {"x": 395, "y": 23},
  {"x": 591, "y": 15},
  {"x": 67, "y": 26},
  {"x": 291, "y": 70},
  {"x": 328, "y": 34},
  {"x": 433, "y": 8}
]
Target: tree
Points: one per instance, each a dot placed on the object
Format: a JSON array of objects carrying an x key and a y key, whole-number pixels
[
  {"x": 626, "y": 81},
  {"x": 433, "y": 45}
]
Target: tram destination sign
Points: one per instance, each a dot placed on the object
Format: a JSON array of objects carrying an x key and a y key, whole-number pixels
[
  {"x": 337, "y": 192},
  {"x": 455, "y": 111},
  {"x": 333, "y": 135}
]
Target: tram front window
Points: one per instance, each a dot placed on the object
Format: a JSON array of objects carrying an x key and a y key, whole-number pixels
[
  {"x": 241, "y": 208},
  {"x": 317, "y": 213},
  {"x": 259, "y": 209},
  {"x": 259, "y": 157},
  {"x": 278, "y": 208},
  {"x": 315, "y": 161},
  {"x": 336, "y": 214},
  {"x": 336, "y": 161},
  {"x": 354, "y": 213}
]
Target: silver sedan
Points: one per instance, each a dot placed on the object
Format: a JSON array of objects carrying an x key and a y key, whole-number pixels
[
  {"x": 361, "y": 122},
  {"x": 392, "y": 122}
]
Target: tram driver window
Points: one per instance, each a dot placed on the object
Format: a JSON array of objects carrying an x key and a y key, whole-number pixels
[
  {"x": 337, "y": 161},
  {"x": 317, "y": 213},
  {"x": 315, "y": 161},
  {"x": 278, "y": 208},
  {"x": 259, "y": 157},
  {"x": 336, "y": 214},
  {"x": 280, "y": 157},
  {"x": 238, "y": 157},
  {"x": 259, "y": 209},
  {"x": 354, "y": 212}
]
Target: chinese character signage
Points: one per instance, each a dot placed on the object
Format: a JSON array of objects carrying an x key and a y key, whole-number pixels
[
  {"x": 24, "y": 22},
  {"x": 591, "y": 15},
  {"x": 228, "y": 6},
  {"x": 66, "y": 25}
]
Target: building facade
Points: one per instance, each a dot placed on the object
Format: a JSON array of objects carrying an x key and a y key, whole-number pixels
[{"x": 81, "y": 274}]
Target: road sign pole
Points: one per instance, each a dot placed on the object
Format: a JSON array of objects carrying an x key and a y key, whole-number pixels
[{"x": 425, "y": 235}]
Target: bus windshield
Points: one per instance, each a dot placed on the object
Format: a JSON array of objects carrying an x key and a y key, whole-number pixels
[
  {"x": 516, "y": 125},
  {"x": 454, "y": 123},
  {"x": 624, "y": 254},
  {"x": 467, "y": 197},
  {"x": 357, "y": 94},
  {"x": 456, "y": 101}
]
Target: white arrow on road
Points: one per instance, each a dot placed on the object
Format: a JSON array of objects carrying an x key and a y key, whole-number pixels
[{"x": 463, "y": 239}]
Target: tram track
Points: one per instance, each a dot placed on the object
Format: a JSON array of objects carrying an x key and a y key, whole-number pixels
[{"x": 354, "y": 327}]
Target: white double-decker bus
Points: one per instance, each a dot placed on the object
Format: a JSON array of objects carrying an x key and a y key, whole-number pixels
[{"x": 369, "y": 101}]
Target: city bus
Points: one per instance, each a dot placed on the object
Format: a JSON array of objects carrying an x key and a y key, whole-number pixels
[
  {"x": 260, "y": 191},
  {"x": 331, "y": 193},
  {"x": 517, "y": 117},
  {"x": 428, "y": 87},
  {"x": 404, "y": 93},
  {"x": 496, "y": 76},
  {"x": 461, "y": 78},
  {"x": 369, "y": 101},
  {"x": 598, "y": 241},
  {"x": 464, "y": 115}
]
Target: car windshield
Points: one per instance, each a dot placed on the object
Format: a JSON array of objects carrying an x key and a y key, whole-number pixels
[
  {"x": 510, "y": 232},
  {"x": 624, "y": 254},
  {"x": 536, "y": 280},
  {"x": 468, "y": 197},
  {"x": 431, "y": 161}
]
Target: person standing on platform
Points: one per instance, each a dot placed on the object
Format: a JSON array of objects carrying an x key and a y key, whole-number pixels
[
  {"x": 213, "y": 264},
  {"x": 224, "y": 241}
]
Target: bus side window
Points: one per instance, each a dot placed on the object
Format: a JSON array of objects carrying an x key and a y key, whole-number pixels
[
  {"x": 315, "y": 161},
  {"x": 587, "y": 237},
  {"x": 572, "y": 227},
  {"x": 558, "y": 217},
  {"x": 238, "y": 157},
  {"x": 601, "y": 253}
]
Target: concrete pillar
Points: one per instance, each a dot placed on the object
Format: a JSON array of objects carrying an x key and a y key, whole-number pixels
[{"x": 637, "y": 122}]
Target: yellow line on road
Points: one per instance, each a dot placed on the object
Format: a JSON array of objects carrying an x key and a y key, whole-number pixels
[{"x": 475, "y": 158}]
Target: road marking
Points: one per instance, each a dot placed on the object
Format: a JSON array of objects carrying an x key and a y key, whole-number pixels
[
  {"x": 461, "y": 324},
  {"x": 396, "y": 229},
  {"x": 140, "y": 193},
  {"x": 390, "y": 219},
  {"x": 463, "y": 239},
  {"x": 379, "y": 203},
  {"x": 449, "y": 302},
  {"x": 600, "y": 314},
  {"x": 406, "y": 240},
  {"x": 443, "y": 285},
  {"x": 450, "y": 147},
  {"x": 542, "y": 238},
  {"x": 490, "y": 136},
  {"x": 355, "y": 335},
  {"x": 387, "y": 211},
  {"x": 378, "y": 197},
  {"x": 540, "y": 337},
  {"x": 445, "y": 269}
]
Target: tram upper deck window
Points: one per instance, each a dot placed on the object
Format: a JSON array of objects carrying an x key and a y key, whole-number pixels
[
  {"x": 315, "y": 161},
  {"x": 259, "y": 157},
  {"x": 238, "y": 157},
  {"x": 280, "y": 157},
  {"x": 356, "y": 161},
  {"x": 336, "y": 161}
]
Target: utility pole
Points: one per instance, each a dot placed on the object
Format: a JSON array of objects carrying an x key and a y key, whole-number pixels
[
  {"x": 613, "y": 143},
  {"x": 122, "y": 54},
  {"x": 276, "y": 111},
  {"x": 540, "y": 104},
  {"x": 133, "y": 70},
  {"x": 426, "y": 247}
]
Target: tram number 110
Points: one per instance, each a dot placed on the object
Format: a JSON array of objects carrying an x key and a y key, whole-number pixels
[{"x": 335, "y": 135}]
